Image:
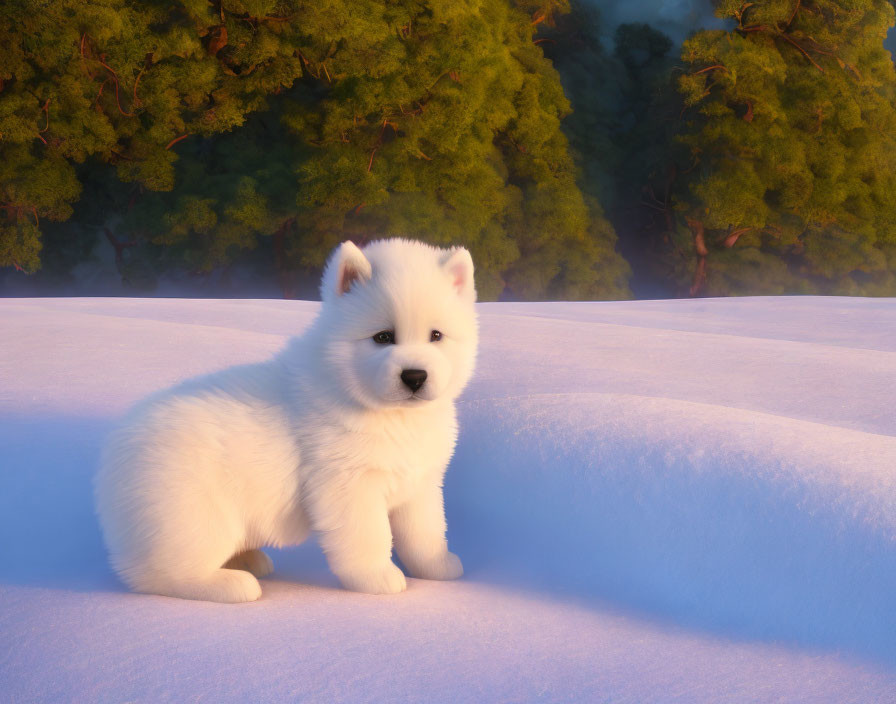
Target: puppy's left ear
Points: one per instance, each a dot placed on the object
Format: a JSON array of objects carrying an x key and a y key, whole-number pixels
[
  {"x": 347, "y": 265},
  {"x": 458, "y": 264}
]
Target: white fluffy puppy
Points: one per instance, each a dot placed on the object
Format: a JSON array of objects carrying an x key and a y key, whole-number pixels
[{"x": 347, "y": 433}]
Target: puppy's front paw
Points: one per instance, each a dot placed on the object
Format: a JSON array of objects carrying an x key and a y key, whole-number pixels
[
  {"x": 388, "y": 580},
  {"x": 445, "y": 566}
]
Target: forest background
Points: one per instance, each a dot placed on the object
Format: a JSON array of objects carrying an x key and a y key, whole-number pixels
[{"x": 223, "y": 148}]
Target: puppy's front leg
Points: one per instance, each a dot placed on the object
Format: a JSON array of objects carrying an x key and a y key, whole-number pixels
[
  {"x": 419, "y": 530},
  {"x": 355, "y": 536}
]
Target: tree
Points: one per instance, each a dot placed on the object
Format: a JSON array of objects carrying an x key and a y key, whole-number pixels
[
  {"x": 790, "y": 129},
  {"x": 454, "y": 117},
  {"x": 120, "y": 83},
  {"x": 197, "y": 131}
]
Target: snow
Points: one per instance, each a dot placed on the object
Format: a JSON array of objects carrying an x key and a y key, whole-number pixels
[{"x": 655, "y": 501}]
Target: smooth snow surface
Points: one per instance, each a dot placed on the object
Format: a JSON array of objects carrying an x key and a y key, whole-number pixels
[{"x": 677, "y": 501}]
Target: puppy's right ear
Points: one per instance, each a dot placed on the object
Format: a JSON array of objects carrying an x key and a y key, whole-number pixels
[
  {"x": 458, "y": 263},
  {"x": 346, "y": 265}
]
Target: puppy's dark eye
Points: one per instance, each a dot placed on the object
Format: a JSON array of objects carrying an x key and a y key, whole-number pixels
[
  {"x": 385, "y": 337},
  {"x": 435, "y": 336}
]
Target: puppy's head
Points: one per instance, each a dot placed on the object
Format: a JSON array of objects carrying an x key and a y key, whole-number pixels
[{"x": 399, "y": 322}]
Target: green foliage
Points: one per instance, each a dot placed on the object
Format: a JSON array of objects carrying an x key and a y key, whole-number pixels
[
  {"x": 199, "y": 131},
  {"x": 202, "y": 134},
  {"x": 791, "y": 131},
  {"x": 764, "y": 165}
]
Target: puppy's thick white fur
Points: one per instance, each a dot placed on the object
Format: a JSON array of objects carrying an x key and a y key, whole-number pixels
[{"x": 325, "y": 437}]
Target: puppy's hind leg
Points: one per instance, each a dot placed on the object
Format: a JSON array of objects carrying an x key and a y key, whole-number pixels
[
  {"x": 255, "y": 562},
  {"x": 226, "y": 586},
  {"x": 188, "y": 573},
  {"x": 183, "y": 557}
]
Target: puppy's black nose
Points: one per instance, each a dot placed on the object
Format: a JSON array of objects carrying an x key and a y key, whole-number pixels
[{"x": 413, "y": 378}]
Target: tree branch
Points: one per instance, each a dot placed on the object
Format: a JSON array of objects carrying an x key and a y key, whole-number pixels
[
  {"x": 46, "y": 110},
  {"x": 802, "y": 51},
  {"x": 796, "y": 9},
  {"x": 115, "y": 79},
  {"x": 731, "y": 239},
  {"x": 176, "y": 140},
  {"x": 709, "y": 68}
]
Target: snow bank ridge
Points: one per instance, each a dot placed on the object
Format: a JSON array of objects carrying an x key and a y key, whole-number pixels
[{"x": 726, "y": 519}]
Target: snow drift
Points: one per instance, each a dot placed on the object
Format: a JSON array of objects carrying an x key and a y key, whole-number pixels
[
  {"x": 734, "y": 520},
  {"x": 654, "y": 501}
]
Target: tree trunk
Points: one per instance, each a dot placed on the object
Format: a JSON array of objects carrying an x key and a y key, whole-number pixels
[
  {"x": 284, "y": 275},
  {"x": 119, "y": 248},
  {"x": 700, "y": 247}
]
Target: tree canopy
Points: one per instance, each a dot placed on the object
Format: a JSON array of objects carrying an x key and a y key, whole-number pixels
[
  {"x": 790, "y": 127},
  {"x": 202, "y": 135},
  {"x": 191, "y": 132}
]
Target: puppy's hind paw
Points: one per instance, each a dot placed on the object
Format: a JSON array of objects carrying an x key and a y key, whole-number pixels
[{"x": 389, "y": 580}]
